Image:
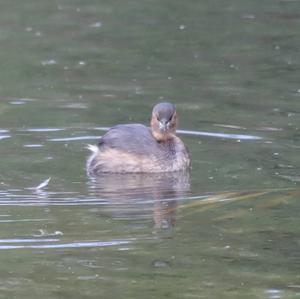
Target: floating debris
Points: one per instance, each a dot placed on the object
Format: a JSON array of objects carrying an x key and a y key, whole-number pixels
[{"x": 41, "y": 185}]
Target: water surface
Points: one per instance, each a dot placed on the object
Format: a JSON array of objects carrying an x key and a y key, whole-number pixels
[{"x": 229, "y": 229}]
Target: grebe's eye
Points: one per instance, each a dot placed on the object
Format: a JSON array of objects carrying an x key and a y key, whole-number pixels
[{"x": 171, "y": 118}]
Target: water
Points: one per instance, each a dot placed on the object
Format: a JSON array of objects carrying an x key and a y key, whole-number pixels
[{"x": 230, "y": 229}]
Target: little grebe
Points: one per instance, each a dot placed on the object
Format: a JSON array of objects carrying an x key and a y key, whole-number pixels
[{"x": 134, "y": 148}]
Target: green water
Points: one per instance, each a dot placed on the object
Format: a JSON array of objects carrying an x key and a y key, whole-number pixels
[{"x": 228, "y": 230}]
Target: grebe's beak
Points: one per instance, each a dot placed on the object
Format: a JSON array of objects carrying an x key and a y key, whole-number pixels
[{"x": 164, "y": 125}]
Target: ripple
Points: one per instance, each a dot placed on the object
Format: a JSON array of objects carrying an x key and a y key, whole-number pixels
[
  {"x": 183, "y": 132},
  {"x": 3, "y": 241},
  {"x": 270, "y": 129},
  {"x": 76, "y": 106},
  {"x": 33, "y": 145},
  {"x": 208, "y": 134},
  {"x": 294, "y": 179},
  {"x": 96, "y": 25},
  {"x": 274, "y": 293},
  {"x": 48, "y": 62},
  {"x": 4, "y": 136},
  {"x": 50, "y": 202},
  {"x": 220, "y": 135},
  {"x": 80, "y": 244},
  {"x": 102, "y": 128},
  {"x": 46, "y": 199},
  {"x": 230, "y": 126},
  {"x": 22, "y": 220},
  {"x": 42, "y": 129},
  {"x": 20, "y": 102},
  {"x": 78, "y": 138}
]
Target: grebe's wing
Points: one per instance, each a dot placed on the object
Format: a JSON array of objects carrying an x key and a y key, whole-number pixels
[{"x": 132, "y": 138}]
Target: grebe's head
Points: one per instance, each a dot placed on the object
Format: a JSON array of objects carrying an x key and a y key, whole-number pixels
[{"x": 163, "y": 121}]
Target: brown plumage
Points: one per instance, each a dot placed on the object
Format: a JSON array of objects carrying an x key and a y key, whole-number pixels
[{"x": 135, "y": 148}]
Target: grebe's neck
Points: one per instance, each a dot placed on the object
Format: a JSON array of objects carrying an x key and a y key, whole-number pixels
[{"x": 162, "y": 136}]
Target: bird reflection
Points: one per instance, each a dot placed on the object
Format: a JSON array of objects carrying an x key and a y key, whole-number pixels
[{"x": 142, "y": 196}]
